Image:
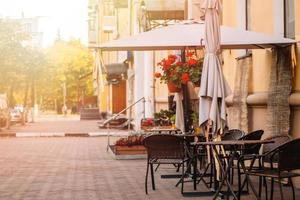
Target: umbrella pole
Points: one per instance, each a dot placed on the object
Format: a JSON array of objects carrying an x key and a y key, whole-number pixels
[
  {"x": 186, "y": 101},
  {"x": 206, "y": 134}
]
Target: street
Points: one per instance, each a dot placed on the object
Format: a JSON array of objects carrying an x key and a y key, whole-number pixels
[{"x": 58, "y": 125}]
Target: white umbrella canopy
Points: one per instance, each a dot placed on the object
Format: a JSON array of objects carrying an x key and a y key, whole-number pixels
[
  {"x": 191, "y": 35},
  {"x": 214, "y": 88}
]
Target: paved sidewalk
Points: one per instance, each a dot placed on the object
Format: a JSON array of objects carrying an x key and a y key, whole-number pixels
[
  {"x": 79, "y": 168},
  {"x": 58, "y": 125}
]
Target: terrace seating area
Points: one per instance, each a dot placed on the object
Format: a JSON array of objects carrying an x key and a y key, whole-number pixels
[
  {"x": 243, "y": 148},
  {"x": 80, "y": 168}
]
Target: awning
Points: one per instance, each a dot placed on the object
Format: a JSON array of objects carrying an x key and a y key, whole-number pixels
[
  {"x": 116, "y": 71},
  {"x": 182, "y": 36}
]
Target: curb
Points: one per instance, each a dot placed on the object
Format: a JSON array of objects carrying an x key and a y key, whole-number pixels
[{"x": 62, "y": 134}]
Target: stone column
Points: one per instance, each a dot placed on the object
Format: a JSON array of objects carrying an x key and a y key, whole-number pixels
[
  {"x": 139, "y": 72},
  {"x": 149, "y": 83}
]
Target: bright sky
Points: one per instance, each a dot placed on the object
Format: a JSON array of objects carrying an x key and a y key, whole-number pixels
[{"x": 67, "y": 16}]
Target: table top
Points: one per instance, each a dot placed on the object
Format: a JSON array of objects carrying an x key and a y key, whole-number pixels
[
  {"x": 234, "y": 142},
  {"x": 161, "y": 129}
]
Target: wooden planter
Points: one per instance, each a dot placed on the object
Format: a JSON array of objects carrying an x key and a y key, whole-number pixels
[{"x": 128, "y": 152}]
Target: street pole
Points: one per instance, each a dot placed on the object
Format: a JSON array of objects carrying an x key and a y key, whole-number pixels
[{"x": 64, "y": 99}]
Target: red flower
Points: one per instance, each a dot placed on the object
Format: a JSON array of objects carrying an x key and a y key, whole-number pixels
[
  {"x": 189, "y": 54},
  {"x": 185, "y": 78},
  {"x": 166, "y": 67},
  {"x": 174, "y": 57},
  {"x": 192, "y": 62},
  {"x": 179, "y": 64},
  {"x": 169, "y": 62},
  {"x": 150, "y": 121},
  {"x": 157, "y": 75}
]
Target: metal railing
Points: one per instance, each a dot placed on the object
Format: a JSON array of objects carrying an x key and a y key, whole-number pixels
[{"x": 118, "y": 114}]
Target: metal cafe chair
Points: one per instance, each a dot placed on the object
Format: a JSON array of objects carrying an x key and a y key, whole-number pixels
[
  {"x": 287, "y": 159},
  {"x": 248, "y": 150},
  {"x": 232, "y": 134},
  {"x": 165, "y": 149},
  {"x": 264, "y": 157},
  {"x": 267, "y": 149}
]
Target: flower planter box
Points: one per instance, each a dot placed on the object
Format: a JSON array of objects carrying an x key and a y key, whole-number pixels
[
  {"x": 132, "y": 150},
  {"x": 128, "y": 152}
]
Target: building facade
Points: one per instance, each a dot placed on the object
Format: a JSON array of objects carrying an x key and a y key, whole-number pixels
[{"x": 250, "y": 73}]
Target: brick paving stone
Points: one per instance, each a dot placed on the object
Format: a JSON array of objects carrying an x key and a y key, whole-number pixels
[{"x": 77, "y": 168}]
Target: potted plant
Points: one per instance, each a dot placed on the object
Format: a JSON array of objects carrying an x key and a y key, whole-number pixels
[
  {"x": 163, "y": 118},
  {"x": 175, "y": 73},
  {"x": 195, "y": 122}
]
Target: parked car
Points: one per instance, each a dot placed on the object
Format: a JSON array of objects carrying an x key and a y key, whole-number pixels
[
  {"x": 15, "y": 116},
  {"x": 4, "y": 111},
  {"x": 19, "y": 115}
]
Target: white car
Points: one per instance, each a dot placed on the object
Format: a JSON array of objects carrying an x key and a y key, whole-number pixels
[{"x": 15, "y": 116}]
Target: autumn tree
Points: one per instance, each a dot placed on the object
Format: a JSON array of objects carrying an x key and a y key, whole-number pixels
[
  {"x": 13, "y": 59},
  {"x": 69, "y": 62}
]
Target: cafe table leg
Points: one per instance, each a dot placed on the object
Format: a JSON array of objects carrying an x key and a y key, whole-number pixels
[
  {"x": 224, "y": 174},
  {"x": 248, "y": 179}
]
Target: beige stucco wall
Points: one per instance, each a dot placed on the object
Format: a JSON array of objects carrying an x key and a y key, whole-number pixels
[
  {"x": 229, "y": 18},
  {"x": 261, "y": 22},
  {"x": 260, "y": 75},
  {"x": 229, "y": 13},
  {"x": 261, "y": 14},
  {"x": 111, "y": 57}
]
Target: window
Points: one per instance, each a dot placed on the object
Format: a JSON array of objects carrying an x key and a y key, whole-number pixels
[{"x": 289, "y": 18}]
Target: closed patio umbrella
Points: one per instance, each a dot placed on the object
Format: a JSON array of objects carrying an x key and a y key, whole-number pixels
[
  {"x": 214, "y": 87},
  {"x": 179, "y": 120}
]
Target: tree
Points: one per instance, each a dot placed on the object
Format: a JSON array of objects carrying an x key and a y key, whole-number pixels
[
  {"x": 12, "y": 58},
  {"x": 31, "y": 74},
  {"x": 68, "y": 63}
]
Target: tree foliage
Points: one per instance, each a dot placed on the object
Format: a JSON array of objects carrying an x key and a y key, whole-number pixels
[
  {"x": 70, "y": 63},
  {"x": 32, "y": 75}
]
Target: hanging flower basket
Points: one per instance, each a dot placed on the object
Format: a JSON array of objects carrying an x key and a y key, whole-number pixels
[
  {"x": 173, "y": 88},
  {"x": 176, "y": 73}
]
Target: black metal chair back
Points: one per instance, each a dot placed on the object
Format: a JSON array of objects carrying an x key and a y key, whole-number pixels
[
  {"x": 163, "y": 146},
  {"x": 269, "y": 147},
  {"x": 289, "y": 156},
  {"x": 233, "y": 134},
  {"x": 252, "y": 148}
]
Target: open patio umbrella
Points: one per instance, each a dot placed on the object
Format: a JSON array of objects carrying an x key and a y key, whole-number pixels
[
  {"x": 190, "y": 35},
  {"x": 214, "y": 87}
]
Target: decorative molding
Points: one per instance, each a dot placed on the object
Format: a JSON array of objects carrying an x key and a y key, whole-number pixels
[
  {"x": 261, "y": 99},
  {"x": 294, "y": 99},
  {"x": 258, "y": 99}
]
